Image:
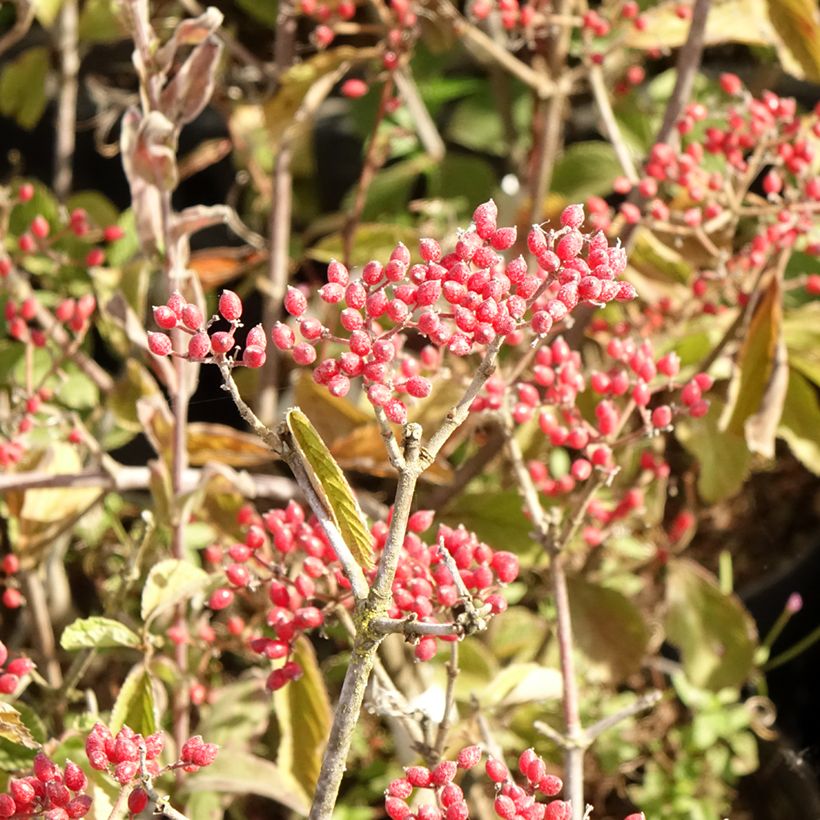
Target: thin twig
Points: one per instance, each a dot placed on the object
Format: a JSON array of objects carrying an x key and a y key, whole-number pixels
[
  {"x": 686, "y": 68},
  {"x": 66, "y": 123},
  {"x": 449, "y": 701},
  {"x": 644, "y": 702},
  {"x": 611, "y": 127}
]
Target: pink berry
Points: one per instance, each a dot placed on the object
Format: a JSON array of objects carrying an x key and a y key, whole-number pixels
[
  {"x": 159, "y": 344},
  {"x": 468, "y": 757},
  {"x": 199, "y": 346},
  {"x": 282, "y": 336},
  {"x": 40, "y": 227},
  {"x": 295, "y": 302},
  {"x": 354, "y": 88},
  {"x": 496, "y": 770},
  {"x": 572, "y": 216},
  {"x": 418, "y": 776},
  {"x": 112, "y": 233},
  {"x": 191, "y": 317},
  {"x": 220, "y": 599},
  {"x": 662, "y": 416},
  {"x": 253, "y": 356},
  {"x": 230, "y": 305},
  {"x": 25, "y": 193},
  {"x": 163, "y": 316},
  {"x": 425, "y": 649},
  {"x": 221, "y": 342}
]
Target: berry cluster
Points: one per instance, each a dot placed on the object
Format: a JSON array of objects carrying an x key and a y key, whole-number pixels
[
  {"x": 459, "y": 302},
  {"x": 120, "y": 755},
  {"x": 12, "y": 598},
  {"x": 14, "y": 671},
  {"x": 766, "y": 173},
  {"x": 50, "y": 792},
  {"x": 512, "y": 801},
  {"x": 289, "y": 555}
]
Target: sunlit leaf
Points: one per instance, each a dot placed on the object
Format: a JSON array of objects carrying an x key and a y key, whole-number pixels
[
  {"x": 520, "y": 683},
  {"x": 97, "y": 632},
  {"x": 800, "y": 422},
  {"x": 608, "y": 629},
  {"x": 12, "y": 727},
  {"x": 331, "y": 485},
  {"x": 373, "y": 241},
  {"x": 136, "y": 705},
  {"x": 304, "y": 715},
  {"x": 713, "y": 632},
  {"x": 797, "y": 23},
  {"x": 235, "y": 771},
  {"x": 759, "y": 372},
  {"x": 171, "y": 582}
]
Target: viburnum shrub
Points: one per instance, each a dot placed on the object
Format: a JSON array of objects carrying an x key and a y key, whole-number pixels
[{"x": 501, "y": 437}]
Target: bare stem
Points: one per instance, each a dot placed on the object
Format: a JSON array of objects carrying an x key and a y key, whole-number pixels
[
  {"x": 66, "y": 125},
  {"x": 611, "y": 127},
  {"x": 689, "y": 58}
]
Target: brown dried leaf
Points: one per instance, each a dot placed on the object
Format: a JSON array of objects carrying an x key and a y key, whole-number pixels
[
  {"x": 183, "y": 99},
  {"x": 13, "y": 729},
  {"x": 225, "y": 445}
]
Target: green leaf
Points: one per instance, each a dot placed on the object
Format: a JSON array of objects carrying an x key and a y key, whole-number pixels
[
  {"x": 237, "y": 772},
  {"x": 97, "y": 632},
  {"x": 585, "y": 169},
  {"x": 46, "y": 11},
  {"x": 304, "y": 715},
  {"x": 609, "y": 629},
  {"x": 758, "y": 385},
  {"x": 170, "y": 582},
  {"x": 714, "y": 633},
  {"x": 521, "y": 683},
  {"x": 264, "y": 11},
  {"x": 135, "y": 705},
  {"x": 800, "y": 422},
  {"x": 23, "y": 87},
  {"x": 517, "y": 636},
  {"x": 100, "y": 22},
  {"x": 496, "y": 518},
  {"x": 463, "y": 177},
  {"x": 801, "y": 330},
  {"x": 374, "y": 240},
  {"x": 723, "y": 457},
  {"x": 331, "y": 486}
]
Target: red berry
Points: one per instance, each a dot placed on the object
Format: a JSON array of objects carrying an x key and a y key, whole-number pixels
[
  {"x": 425, "y": 649},
  {"x": 10, "y": 565},
  {"x": 572, "y": 216},
  {"x": 496, "y": 770},
  {"x": 354, "y": 88},
  {"x": 418, "y": 776},
  {"x": 112, "y": 233},
  {"x": 137, "y": 800},
  {"x": 25, "y": 192},
  {"x": 95, "y": 257},
  {"x": 40, "y": 227},
  {"x": 220, "y": 599},
  {"x": 163, "y": 316},
  {"x": 295, "y": 302},
  {"x": 74, "y": 777},
  {"x": 253, "y": 356},
  {"x": 221, "y": 342},
  {"x": 230, "y": 305},
  {"x": 662, "y": 416},
  {"x": 159, "y": 344},
  {"x": 191, "y": 317},
  {"x": 199, "y": 346},
  {"x": 468, "y": 757}
]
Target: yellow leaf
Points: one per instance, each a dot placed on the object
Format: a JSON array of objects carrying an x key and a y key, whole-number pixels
[
  {"x": 12, "y": 727},
  {"x": 331, "y": 486},
  {"x": 798, "y": 24},
  {"x": 304, "y": 716}
]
